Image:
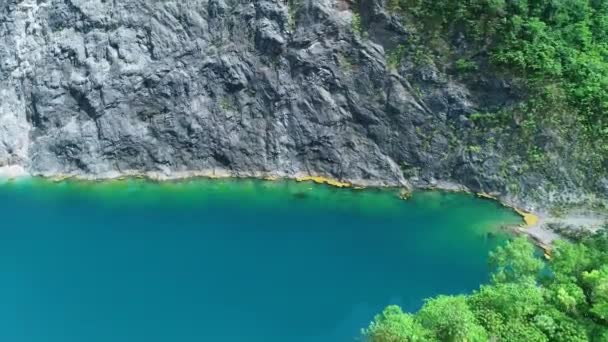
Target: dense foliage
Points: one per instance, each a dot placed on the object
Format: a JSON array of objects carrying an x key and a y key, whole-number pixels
[
  {"x": 563, "y": 300},
  {"x": 557, "y": 48}
]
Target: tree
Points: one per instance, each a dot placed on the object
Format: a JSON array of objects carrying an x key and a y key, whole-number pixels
[
  {"x": 515, "y": 262},
  {"x": 566, "y": 302},
  {"x": 451, "y": 319},
  {"x": 511, "y": 301},
  {"x": 393, "y": 325},
  {"x": 569, "y": 260},
  {"x": 597, "y": 283}
]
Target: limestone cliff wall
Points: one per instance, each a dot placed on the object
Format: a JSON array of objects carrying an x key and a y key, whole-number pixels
[{"x": 268, "y": 87}]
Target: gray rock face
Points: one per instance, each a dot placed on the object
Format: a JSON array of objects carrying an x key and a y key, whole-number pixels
[{"x": 246, "y": 87}]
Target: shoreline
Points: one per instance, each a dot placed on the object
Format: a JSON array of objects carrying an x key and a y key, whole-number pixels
[
  {"x": 534, "y": 225},
  {"x": 12, "y": 172}
]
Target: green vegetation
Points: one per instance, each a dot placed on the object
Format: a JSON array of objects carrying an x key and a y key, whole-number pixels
[
  {"x": 395, "y": 56},
  {"x": 292, "y": 8},
  {"x": 356, "y": 23},
  {"x": 464, "y": 65},
  {"x": 562, "y": 300},
  {"x": 557, "y": 50},
  {"x": 346, "y": 63},
  {"x": 226, "y": 105}
]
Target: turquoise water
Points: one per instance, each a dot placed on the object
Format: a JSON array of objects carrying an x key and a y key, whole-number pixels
[{"x": 228, "y": 260}]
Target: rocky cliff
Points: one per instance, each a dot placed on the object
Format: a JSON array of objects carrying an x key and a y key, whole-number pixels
[{"x": 250, "y": 88}]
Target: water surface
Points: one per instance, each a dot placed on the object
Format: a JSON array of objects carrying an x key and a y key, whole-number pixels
[{"x": 223, "y": 260}]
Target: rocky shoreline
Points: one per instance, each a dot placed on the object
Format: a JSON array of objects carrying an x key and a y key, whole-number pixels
[
  {"x": 263, "y": 89},
  {"x": 536, "y": 225}
]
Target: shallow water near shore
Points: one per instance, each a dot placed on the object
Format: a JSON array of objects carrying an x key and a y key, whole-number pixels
[{"x": 228, "y": 260}]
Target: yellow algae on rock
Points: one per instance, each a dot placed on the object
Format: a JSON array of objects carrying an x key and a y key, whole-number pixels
[
  {"x": 60, "y": 178},
  {"x": 324, "y": 180},
  {"x": 486, "y": 196},
  {"x": 271, "y": 178},
  {"x": 530, "y": 219}
]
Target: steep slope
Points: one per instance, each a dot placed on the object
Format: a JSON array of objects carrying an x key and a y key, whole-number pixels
[{"x": 101, "y": 88}]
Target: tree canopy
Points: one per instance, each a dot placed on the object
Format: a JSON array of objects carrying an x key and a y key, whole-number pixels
[{"x": 564, "y": 300}]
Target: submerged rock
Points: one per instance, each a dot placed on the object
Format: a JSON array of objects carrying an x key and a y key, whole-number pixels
[{"x": 405, "y": 194}]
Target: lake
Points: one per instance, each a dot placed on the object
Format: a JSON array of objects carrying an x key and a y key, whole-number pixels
[{"x": 228, "y": 260}]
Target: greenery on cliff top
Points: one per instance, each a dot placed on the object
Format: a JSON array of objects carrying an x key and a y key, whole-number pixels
[
  {"x": 564, "y": 300},
  {"x": 558, "y": 48}
]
